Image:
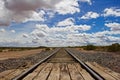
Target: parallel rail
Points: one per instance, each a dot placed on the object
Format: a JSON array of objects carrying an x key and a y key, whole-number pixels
[
  {"x": 95, "y": 75},
  {"x": 92, "y": 72},
  {"x": 21, "y": 76}
]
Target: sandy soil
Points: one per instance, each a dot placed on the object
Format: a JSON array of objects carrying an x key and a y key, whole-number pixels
[{"x": 18, "y": 54}]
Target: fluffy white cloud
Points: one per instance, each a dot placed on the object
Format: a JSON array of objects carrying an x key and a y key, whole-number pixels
[
  {"x": 56, "y": 36},
  {"x": 39, "y": 33},
  {"x": 21, "y": 10},
  {"x": 67, "y": 7},
  {"x": 15, "y": 5},
  {"x": 4, "y": 16},
  {"x": 90, "y": 15},
  {"x": 114, "y": 26},
  {"x": 36, "y": 16},
  {"x": 25, "y": 35},
  {"x": 100, "y": 38},
  {"x": 27, "y": 10},
  {"x": 13, "y": 31},
  {"x": 82, "y": 27},
  {"x": 15, "y": 43},
  {"x": 2, "y": 30},
  {"x": 69, "y": 36},
  {"x": 43, "y": 35},
  {"x": 88, "y": 1},
  {"x": 44, "y": 29},
  {"x": 14, "y": 40},
  {"x": 112, "y": 12},
  {"x": 66, "y": 22}
]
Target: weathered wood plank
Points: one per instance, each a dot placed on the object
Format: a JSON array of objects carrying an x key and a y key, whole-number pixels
[
  {"x": 35, "y": 72},
  {"x": 75, "y": 75},
  {"x": 14, "y": 74},
  {"x": 61, "y": 56},
  {"x": 107, "y": 71},
  {"x": 102, "y": 73},
  {"x": 64, "y": 73},
  {"x": 55, "y": 73},
  {"x": 4, "y": 74},
  {"x": 43, "y": 75},
  {"x": 83, "y": 72}
]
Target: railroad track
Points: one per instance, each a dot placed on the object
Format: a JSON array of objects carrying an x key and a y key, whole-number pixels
[{"x": 61, "y": 65}]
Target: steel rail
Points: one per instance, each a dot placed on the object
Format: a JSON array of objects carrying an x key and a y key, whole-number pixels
[
  {"x": 92, "y": 72},
  {"x": 21, "y": 76}
]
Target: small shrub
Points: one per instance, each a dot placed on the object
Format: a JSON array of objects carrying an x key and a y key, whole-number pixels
[
  {"x": 11, "y": 49},
  {"x": 46, "y": 49},
  {"x": 114, "y": 47},
  {"x": 90, "y": 47},
  {"x": 0, "y": 50}
]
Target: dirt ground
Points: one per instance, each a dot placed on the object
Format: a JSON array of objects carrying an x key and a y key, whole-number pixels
[
  {"x": 18, "y": 54},
  {"x": 93, "y": 51}
]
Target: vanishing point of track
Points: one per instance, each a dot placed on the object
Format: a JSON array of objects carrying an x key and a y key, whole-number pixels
[{"x": 62, "y": 64}]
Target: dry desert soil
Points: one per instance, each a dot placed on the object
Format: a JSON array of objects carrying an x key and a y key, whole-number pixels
[{"x": 18, "y": 54}]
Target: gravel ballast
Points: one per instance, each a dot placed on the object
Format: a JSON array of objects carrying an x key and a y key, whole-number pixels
[
  {"x": 24, "y": 62},
  {"x": 105, "y": 59}
]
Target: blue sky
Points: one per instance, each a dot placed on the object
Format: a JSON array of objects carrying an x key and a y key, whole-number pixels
[{"x": 59, "y": 22}]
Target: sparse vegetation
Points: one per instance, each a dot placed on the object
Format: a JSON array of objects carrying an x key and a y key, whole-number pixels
[
  {"x": 46, "y": 49},
  {"x": 0, "y": 50},
  {"x": 90, "y": 47},
  {"x": 4, "y": 49},
  {"x": 111, "y": 48},
  {"x": 114, "y": 47}
]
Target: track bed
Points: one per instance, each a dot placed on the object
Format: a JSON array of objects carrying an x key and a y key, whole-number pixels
[{"x": 64, "y": 65}]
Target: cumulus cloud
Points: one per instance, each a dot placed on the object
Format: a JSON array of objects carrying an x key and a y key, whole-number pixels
[
  {"x": 27, "y": 10},
  {"x": 101, "y": 38},
  {"x": 67, "y": 7},
  {"x": 64, "y": 33},
  {"x": 36, "y": 16},
  {"x": 39, "y": 33},
  {"x": 69, "y": 24},
  {"x": 112, "y": 12},
  {"x": 18, "y": 11},
  {"x": 55, "y": 36},
  {"x": 13, "y": 31},
  {"x": 25, "y": 35},
  {"x": 15, "y": 5},
  {"x": 14, "y": 40},
  {"x": 66, "y": 38},
  {"x": 66, "y": 22},
  {"x": 14, "y": 43},
  {"x": 44, "y": 35},
  {"x": 21, "y": 10},
  {"x": 4, "y": 16},
  {"x": 88, "y": 1},
  {"x": 114, "y": 26},
  {"x": 90, "y": 15},
  {"x": 82, "y": 27},
  {"x": 2, "y": 30}
]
